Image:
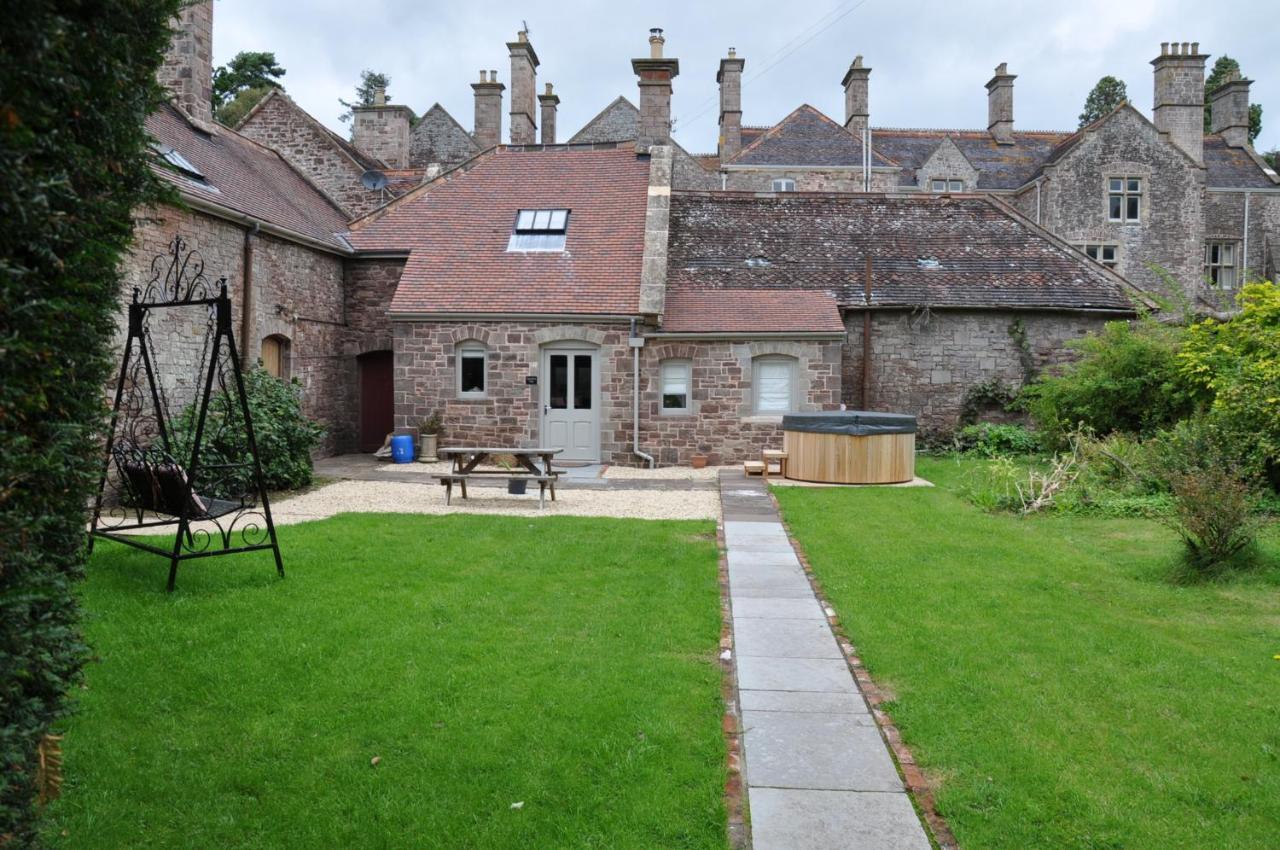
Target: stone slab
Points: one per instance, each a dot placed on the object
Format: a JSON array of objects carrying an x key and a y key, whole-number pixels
[
  {"x": 806, "y": 701},
  {"x": 831, "y": 752},
  {"x": 784, "y": 638},
  {"x": 737, "y": 556},
  {"x": 786, "y": 819},
  {"x": 776, "y": 590},
  {"x": 779, "y": 609},
  {"x": 795, "y": 674}
]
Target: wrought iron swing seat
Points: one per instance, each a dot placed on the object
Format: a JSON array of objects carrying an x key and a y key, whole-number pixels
[{"x": 213, "y": 507}]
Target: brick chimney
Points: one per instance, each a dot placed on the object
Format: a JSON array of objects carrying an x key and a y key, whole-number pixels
[
  {"x": 1229, "y": 110},
  {"x": 488, "y": 91},
  {"x": 382, "y": 130},
  {"x": 1000, "y": 105},
  {"x": 655, "y": 75},
  {"x": 857, "y": 97},
  {"x": 524, "y": 87},
  {"x": 187, "y": 70},
  {"x": 549, "y": 102},
  {"x": 730, "y": 79},
  {"x": 1179, "y": 95}
]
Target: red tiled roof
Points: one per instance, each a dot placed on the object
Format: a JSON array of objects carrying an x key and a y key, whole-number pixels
[
  {"x": 457, "y": 228},
  {"x": 245, "y": 177},
  {"x": 751, "y": 311}
]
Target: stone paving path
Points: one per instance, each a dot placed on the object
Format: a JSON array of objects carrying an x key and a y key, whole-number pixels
[{"x": 818, "y": 774}]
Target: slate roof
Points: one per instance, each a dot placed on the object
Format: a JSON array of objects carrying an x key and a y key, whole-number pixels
[
  {"x": 806, "y": 137},
  {"x": 999, "y": 166},
  {"x": 456, "y": 229},
  {"x": 1233, "y": 168},
  {"x": 986, "y": 255},
  {"x": 751, "y": 311},
  {"x": 246, "y": 177}
]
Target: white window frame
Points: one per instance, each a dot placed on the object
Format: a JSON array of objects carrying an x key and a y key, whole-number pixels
[
  {"x": 670, "y": 371},
  {"x": 1126, "y": 188},
  {"x": 783, "y": 184},
  {"x": 470, "y": 350},
  {"x": 1097, "y": 251},
  {"x": 757, "y": 365},
  {"x": 948, "y": 184},
  {"x": 1213, "y": 270}
]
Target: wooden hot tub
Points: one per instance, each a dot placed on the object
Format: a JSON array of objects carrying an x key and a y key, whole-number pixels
[{"x": 850, "y": 447}]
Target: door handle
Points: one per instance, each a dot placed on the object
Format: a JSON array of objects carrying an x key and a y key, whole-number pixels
[{"x": 546, "y": 408}]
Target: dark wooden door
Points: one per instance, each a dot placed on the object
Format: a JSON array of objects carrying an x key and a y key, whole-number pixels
[{"x": 377, "y": 399}]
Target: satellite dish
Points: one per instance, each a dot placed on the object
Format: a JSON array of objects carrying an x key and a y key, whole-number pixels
[{"x": 373, "y": 180}]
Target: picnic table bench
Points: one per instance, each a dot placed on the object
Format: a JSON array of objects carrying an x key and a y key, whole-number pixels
[{"x": 465, "y": 460}]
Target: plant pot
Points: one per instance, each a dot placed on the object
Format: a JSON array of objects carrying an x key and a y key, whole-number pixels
[
  {"x": 517, "y": 487},
  {"x": 429, "y": 444},
  {"x": 698, "y": 461}
]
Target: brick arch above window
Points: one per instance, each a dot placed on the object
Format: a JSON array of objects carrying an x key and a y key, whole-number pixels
[
  {"x": 474, "y": 333},
  {"x": 569, "y": 333}
]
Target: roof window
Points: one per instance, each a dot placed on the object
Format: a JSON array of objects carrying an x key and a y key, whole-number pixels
[
  {"x": 182, "y": 165},
  {"x": 539, "y": 230}
]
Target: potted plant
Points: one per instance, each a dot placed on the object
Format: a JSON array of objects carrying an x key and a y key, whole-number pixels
[
  {"x": 516, "y": 486},
  {"x": 699, "y": 458},
  {"x": 430, "y": 439}
]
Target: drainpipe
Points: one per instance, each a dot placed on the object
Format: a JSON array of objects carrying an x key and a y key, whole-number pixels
[
  {"x": 636, "y": 343},
  {"x": 866, "y": 339},
  {"x": 248, "y": 304},
  {"x": 1244, "y": 250}
]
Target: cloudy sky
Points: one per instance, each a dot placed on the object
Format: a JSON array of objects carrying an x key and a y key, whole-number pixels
[{"x": 930, "y": 58}]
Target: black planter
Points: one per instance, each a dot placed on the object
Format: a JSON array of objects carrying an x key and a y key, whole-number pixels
[{"x": 517, "y": 487}]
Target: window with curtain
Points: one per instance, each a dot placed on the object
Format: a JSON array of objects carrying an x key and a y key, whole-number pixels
[
  {"x": 472, "y": 370},
  {"x": 677, "y": 386},
  {"x": 773, "y": 382}
]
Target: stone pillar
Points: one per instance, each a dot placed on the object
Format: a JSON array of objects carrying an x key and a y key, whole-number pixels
[
  {"x": 549, "y": 102},
  {"x": 730, "y": 79},
  {"x": 1179, "y": 96},
  {"x": 382, "y": 130},
  {"x": 655, "y": 75},
  {"x": 488, "y": 128},
  {"x": 1000, "y": 105},
  {"x": 857, "y": 97},
  {"x": 187, "y": 70},
  {"x": 524, "y": 84},
  {"x": 1229, "y": 110}
]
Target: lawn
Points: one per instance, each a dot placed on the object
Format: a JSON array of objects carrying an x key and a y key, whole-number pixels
[
  {"x": 566, "y": 664},
  {"x": 1059, "y": 691}
]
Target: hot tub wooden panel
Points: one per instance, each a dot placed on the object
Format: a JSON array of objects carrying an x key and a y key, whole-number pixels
[{"x": 848, "y": 459}]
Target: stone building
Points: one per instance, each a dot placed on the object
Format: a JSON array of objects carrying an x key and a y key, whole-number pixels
[{"x": 630, "y": 302}]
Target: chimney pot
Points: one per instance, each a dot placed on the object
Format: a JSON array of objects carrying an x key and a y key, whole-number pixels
[
  {"x": 655, "y": 43},
  {"x": 1195, "y": 48},
  {"x": 380, "y": 96},
  {"x": 1164, "y": 48}
]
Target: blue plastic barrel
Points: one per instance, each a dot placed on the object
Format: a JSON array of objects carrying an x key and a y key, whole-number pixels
[{"x": 402, "y": 448}]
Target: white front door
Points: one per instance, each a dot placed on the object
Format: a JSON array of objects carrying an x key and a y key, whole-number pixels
[{"x": 570, "y": 382}]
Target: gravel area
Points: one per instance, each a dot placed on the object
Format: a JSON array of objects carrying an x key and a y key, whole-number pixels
[{"x": 678, "y": 473}]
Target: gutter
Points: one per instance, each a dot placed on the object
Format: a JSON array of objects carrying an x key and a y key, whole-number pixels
[
  {"x": 508, "y": 317},
  {"x": 719, "y": 336},
  {"x": 227, "y": 214}
]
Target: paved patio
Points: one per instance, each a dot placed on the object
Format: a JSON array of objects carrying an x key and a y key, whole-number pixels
[{"x": 818, "y": 773}]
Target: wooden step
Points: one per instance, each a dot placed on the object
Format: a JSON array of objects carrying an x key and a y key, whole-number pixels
[{"x": 753, "y": 467}]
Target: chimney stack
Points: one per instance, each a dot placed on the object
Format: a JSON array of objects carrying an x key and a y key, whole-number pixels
[
  {"x": 1000, "y": 105},
  {"x": 857, "y": 85},
  {"x": 488, "y": 128},
  {"x": 549, "y": 102},
  {"x": 382, "y": 130},
  {"x": 655, "y": 75},
  {"x": 1229, "y": 111},
  {"x": 730, "y": 79},
  {"x": 524, "y": 89},
  {"x": 187, "y": 70},
  {"x": 1179, "y": 96}
]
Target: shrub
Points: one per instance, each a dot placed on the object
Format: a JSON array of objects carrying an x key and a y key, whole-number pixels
[
  {"x": 1213, "y": 514},
  {"x": 285, "y": 437},
  {"x": 1128, "y": 378},
  {"x": 76, "y": 82},
  {"x": 989, "y": 440},
  {"x": 1005, "y": 484}
]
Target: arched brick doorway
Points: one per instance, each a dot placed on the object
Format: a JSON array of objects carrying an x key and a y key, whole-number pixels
[{"x": 377, "y": 399}]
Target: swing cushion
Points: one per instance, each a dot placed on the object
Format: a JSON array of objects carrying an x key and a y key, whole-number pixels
[{"x": 160, "y": 487}]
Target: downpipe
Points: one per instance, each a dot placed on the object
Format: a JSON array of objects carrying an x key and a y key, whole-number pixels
[{"x": 635, "y": 397}]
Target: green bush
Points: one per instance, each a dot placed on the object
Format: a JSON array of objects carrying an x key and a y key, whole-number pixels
[
  {"x": 989, "y": 440},
  {"x": 285, "y": 437},
  {"x": 76, "y": 83},
  {"x": 1128, "y": 378}
]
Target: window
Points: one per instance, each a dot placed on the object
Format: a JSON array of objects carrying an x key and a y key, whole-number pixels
[
  {"x": 275, "y": 356},
  {"x": 179, "y": 163},
  {"x": 773, "y": 381},
  {"x": 1220, "y": 264},
  {"x": 1108, "y": 255},
  {"x": 947, "y": 185},
  {"x": 1124, "y": 199},
  {"x": 539, "y": 230},
  {"x": 784, "y": 184},
  {"x": 676, "y": 385},
  {"x": 472, "y": 370}
]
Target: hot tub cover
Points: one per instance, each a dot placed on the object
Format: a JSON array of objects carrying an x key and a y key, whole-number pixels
[{"x": 858, "y": 423}]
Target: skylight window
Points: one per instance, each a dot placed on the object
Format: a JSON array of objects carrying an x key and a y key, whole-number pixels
[
  {"x": 539, "y": 230},
  {"x": 182, "y": 165}
]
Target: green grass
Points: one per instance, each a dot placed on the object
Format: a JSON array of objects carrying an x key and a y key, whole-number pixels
[
  {"x": 569, "y": 664},
  {"x": 1055, "y": 685}
]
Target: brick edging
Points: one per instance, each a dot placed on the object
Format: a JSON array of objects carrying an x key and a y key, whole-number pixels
[
  {"x": 734, "y": 791},
  {"x": 917, "y": 787}
]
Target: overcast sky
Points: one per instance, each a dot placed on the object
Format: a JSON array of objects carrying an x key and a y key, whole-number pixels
[{"x": 930, "y": 58}]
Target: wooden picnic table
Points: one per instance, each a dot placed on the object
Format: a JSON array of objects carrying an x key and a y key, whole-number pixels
[{"x": 464, "y": 460}]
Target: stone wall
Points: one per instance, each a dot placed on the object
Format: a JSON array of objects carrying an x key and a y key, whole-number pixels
[
  {"x": 1224, "y": 219},
  {"x": 437, "y": 139},
  {"x": 947, "y": 163},
  {"x": 923, "y": 363},
  {"x": 808, "y": 179}
]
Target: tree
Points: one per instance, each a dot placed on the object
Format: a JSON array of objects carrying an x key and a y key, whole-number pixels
[
  {"x": 247, "y": 71},
  {"x": 233, "y": 111},
  {"x": 1272, "y": 158},
  {"x": 78, "y": 80},
  {"x": 370, "y": 82},
  {"x": 1223, "y": 70},
  {"x": 1106, "y": 96}
]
